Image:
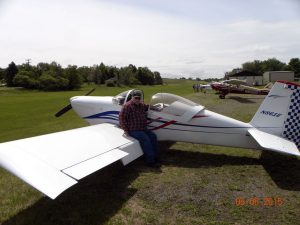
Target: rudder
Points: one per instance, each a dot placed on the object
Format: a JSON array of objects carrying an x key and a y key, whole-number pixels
[
  {"x": 291, "y": 128},
  {"x": 279, "y": 114}
]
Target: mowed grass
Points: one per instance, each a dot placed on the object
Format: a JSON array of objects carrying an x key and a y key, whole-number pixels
[{"x": 197, "y": 184}]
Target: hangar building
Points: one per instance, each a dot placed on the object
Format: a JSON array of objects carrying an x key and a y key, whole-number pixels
[
  {"x": 273, "y": 76},
  {"x": 251, "y": 78}
]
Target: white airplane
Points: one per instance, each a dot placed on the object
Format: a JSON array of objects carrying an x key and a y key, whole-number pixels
[{"x": 52, "y": 163}]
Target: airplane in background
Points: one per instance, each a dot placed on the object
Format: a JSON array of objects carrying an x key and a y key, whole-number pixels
[
  {"x": 54, "y": 162},
  {"x": 202, "y": 87},
  {"x": 238, "y": 86}
]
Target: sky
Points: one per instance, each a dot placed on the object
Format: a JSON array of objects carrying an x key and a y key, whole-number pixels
[{"x": 190, "y": 38}]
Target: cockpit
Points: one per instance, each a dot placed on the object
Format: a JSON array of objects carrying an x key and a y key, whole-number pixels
[{"x": 168, "y": 106}]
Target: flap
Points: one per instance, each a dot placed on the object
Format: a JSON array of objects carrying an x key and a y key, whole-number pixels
[
  {"x": 273, "y": 142},
  {"x": 85, "y": 168}
]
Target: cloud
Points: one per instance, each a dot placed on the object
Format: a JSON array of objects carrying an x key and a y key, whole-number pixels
[{"x": 73, "y": 32}]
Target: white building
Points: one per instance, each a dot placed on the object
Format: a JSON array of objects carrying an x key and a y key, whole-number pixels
[
  {"x": 251, "y": 79},
  {"x": 273, "y": 76}
]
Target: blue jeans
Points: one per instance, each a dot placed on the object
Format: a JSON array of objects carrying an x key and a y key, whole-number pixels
[{"x": 148, "y": 142}]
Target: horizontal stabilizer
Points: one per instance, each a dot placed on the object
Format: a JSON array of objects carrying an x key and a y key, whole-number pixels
[{"x": 273, "y": 142}]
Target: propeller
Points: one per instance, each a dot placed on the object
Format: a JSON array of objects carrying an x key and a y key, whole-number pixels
[{"x": 69, "y": 106}]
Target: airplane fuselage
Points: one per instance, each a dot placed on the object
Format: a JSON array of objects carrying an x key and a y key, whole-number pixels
[{"x": 205, "y": 127}]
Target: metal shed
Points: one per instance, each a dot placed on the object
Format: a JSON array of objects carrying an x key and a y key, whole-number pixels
[
  {"x": 251, "y": 78},
  {"x": 273, "y": 76}
]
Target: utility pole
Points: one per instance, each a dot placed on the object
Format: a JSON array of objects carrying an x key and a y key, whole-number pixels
[{"x": 28, "y": 61}]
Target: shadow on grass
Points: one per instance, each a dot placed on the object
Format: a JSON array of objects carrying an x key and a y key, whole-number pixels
[
  {"x": 241, "y": 100},
  {"x": 97, "y": 198},
  {"x": 92, "y": 201},
  {"x": 284, "y": 170},
  {"x": 176, "y": 157}
]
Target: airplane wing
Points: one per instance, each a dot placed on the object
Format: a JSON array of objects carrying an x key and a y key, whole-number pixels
[
  {"x": 234, "y": 81},
  {"x": 54, "y": 162},
  {"x": 273, "y": 142}
]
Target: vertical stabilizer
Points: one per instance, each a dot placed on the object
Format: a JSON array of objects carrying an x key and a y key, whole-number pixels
[{"x": 279, "y": 114}]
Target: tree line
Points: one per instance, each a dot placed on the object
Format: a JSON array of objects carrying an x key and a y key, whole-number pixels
[
  {"x": 52, "y": 76},
  {"x": 272, "y": 64}
]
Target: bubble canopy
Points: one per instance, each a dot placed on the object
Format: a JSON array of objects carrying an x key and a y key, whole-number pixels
[
  {"x": 167, "y": 98},
  {"x": 164, "y": 103}
]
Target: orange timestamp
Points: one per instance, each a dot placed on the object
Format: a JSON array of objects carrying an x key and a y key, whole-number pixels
[{"x": 259, "y": 201}]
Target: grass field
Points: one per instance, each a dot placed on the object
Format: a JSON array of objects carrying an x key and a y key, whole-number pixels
[{"x": 197, "y": 184}]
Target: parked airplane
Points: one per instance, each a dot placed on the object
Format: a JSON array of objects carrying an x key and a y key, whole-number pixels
[
  {"x": 237, "y": 86},
  {"x": 52, "y": 163}
]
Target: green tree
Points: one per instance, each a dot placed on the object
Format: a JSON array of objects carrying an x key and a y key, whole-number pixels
[
  {"x": 294, "y": 65},
  {"x": 112, "y": 72},
  {"x": 10, "y": 73},
  {"x": 127, "y": 75},
  {"x": 273, "y": 64},
  {"x": 48, "y": 82},
  {"x": 95, "y": 74},
  {"x": 157, "y": 78},
  {"x": 85, "y": 73},
  {"x": 255, "y": 67},
  {"x": 25, "y": 79},
  {"x": 145, "y": 76},
  {"x": 1, "y": 75},
  {"x": 103, "y": 73},
  {"x": 43, "y": 67},
  {"x": 75, "y": 80},
  {"x": 233, "y": 71}
]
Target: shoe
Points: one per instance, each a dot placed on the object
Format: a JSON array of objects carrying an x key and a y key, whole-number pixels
[{"x": 158, "y": 161}]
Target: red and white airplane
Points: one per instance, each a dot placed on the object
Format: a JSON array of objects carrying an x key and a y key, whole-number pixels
[
  {"x": 237, "y": 86},
  {"x": 52, "y": 163}
]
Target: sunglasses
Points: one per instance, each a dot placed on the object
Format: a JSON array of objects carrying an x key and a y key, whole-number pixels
[{"x": 137, "y": 97}]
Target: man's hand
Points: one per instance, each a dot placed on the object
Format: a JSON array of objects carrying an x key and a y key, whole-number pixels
[{"x": 126, "y": 134}]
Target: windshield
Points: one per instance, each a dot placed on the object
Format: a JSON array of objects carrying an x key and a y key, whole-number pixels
[
  {"x": 120, "y": 98},
  {"x": 123, "y": 97}
]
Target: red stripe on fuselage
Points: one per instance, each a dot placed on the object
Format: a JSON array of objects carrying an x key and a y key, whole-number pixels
[{"x": 164, "y": 125}]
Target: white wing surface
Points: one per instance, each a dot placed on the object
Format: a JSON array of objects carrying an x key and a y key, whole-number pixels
[{"x": 54, "y": 162}]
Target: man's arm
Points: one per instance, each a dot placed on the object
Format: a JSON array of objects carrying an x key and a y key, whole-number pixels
[{"x": 146, "y": 107}]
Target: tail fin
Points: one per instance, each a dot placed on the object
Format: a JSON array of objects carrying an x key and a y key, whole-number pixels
[{"x": 279, "y": 114}]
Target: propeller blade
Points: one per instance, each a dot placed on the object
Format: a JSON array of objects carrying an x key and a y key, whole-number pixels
[
  {"x": 91, "y": 91},
  {"x": 63, "y": 110}
]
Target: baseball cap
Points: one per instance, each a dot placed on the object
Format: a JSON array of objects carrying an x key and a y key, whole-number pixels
[{"x": 137, "y": 93}]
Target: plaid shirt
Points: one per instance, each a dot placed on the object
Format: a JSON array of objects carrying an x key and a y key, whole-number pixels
[{"x": 133, "y": 116}]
